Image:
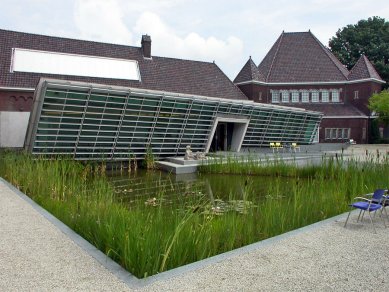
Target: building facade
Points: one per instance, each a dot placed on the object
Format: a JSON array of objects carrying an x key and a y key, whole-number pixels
[
  {"x": 299, "y": 71},
  {"x": 93, "y": 100}
]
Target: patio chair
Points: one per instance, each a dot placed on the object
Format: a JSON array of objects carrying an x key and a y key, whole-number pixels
[
  {"x": 295, "y": 147},
  {"x": 279, "y": 146},
  {"x": 376, "y": 202},
  {"x": 272, "y": 146},
  {"x": 384, "y": 203}
]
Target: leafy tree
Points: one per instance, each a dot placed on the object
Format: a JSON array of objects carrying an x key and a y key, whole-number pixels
[
  {"x": 374, "y": 132},
  {"x": 379, "y": 103},
  {"x": 369, "y": 37}
]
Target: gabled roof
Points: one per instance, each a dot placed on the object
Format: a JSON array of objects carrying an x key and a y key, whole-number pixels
[
  {"x": 249, "y": 72},
  {"x": 300, "y": 57},
  {"x": 363, "y": 69},
  {"x": 157, "y": 73}
]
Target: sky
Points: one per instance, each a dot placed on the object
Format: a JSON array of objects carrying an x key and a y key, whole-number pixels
[{"x": 227, "y": 32}]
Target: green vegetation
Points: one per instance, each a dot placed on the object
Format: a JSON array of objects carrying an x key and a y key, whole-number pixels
[
  {"x": 379, "y": 103},
  {"x": 149, "y": 161},
  {"x": 152, "y": 236},
  {"x": 369, "y": 37}
]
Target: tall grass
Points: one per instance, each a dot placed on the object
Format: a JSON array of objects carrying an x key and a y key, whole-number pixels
[{"x": 151, "y": 238}]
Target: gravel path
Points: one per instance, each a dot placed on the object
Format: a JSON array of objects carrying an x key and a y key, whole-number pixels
[{"x": 36, "y": 255}]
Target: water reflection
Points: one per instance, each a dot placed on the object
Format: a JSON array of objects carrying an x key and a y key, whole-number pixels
[{"x": 222, "y": 193}]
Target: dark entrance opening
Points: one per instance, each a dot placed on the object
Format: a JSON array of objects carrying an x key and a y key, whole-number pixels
[{"x": 223, "y": 137}]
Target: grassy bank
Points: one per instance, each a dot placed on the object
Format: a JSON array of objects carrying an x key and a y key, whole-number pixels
[{"x": 150, "y": 238}]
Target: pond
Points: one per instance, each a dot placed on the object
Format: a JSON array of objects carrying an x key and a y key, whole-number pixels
[
  {"x": 220, "y": 192},
  {"x": 150, "y": 222}
]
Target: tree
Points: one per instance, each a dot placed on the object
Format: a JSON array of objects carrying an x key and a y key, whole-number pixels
[
  {"x": 379, "y": 103},
  {"x": 369, "y": 37}
]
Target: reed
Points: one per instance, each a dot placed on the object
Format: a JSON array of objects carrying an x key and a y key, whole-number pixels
[{"x": 149, "y": 237}]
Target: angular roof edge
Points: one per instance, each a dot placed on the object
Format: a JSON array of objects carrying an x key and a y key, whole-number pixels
[
  {"x": 249, "y": 72},
  {"x": 285, "y": 48},
  {"x": 363, "y": 68},
  {"x": 75, "y": 84}
]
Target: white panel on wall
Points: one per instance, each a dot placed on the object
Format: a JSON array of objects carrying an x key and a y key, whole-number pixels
[
  {"x": 75, "y": 65},
  {"x": 13, "y": 127}
]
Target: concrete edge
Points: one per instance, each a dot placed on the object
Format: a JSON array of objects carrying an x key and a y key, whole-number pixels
[
  {"x": 129, "y": 279},
  {"x": 236, "y": 252},
  {"x": 133, "y": 282}
]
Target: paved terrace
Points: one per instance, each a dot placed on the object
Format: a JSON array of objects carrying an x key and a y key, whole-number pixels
[{"x": 38, "y": 253}]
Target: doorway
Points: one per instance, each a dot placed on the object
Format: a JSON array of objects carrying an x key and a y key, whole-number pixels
[
  {"x": 227, "y": 134},
  {"x": 222, "y": 138}
]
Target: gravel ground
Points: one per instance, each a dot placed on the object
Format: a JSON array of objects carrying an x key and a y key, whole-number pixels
[
  {"x": 36, "y": 255},
  {"x": 327, "y": 258}
]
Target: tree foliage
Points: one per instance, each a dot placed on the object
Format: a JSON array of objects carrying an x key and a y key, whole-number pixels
[
  {"x": 379, "y": 103},
  {"x": 369, "y": 37}
]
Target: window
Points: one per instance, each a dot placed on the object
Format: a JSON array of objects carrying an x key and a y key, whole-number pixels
[
  {"x": 315, "y": 96},
  {"x": 328, "y": 134},
  {"x": 346, "y": 133},
  {"x": 337, "y": 133},
  {"x": 335, "y": 95},
  {"x": 295, "y": 96},
  {"x": 305, "y": 96},
  {"x": 340, "y": 134},
  {"x": 325, "y": 96},
  {"x": 356, "y": 93},
  {"x": 275, "y": 97},
  {"x": 333, "y": 133},
  {"x": 285, "y": 96}
]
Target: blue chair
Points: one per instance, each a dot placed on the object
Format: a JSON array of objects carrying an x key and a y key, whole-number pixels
[
  {"x": 377, "y": 202},
  {"x": 385, "y": 203}
]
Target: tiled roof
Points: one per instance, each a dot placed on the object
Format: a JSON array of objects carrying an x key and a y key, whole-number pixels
[
  {"x": 332, "y": 109},
  {"x": 363, "y": 69},
  {"x": 249, "y": 72},
  {"x": 157, "y": 73},
  {"x": 300, "y": 57}
]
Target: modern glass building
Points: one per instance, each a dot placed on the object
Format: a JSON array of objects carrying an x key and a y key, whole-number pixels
[{"x": 100, "y": 122}]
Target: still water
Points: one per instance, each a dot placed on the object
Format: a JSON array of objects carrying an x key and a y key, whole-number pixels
[{"x": 220, "y": 190}]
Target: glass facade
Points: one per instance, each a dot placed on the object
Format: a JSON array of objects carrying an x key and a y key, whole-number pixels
[{"x": 95, "y": 122}]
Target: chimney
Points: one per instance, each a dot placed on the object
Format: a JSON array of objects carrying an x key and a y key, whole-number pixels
[{"x": 146, "y": 46}]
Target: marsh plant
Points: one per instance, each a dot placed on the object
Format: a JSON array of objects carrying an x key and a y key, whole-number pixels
[
  {"x": 149, "y": 160},
  {"x": 149, "y": 236}
]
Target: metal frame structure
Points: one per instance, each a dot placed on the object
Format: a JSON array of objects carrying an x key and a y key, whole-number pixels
[{"x": 96, "y": 122}]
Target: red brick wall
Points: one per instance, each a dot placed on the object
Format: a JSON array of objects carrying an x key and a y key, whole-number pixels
[
  {"x": 356, "y": 129},
  {"x": 252, "y": 91},
  {"x": 16, "y": 101},
  {"x": 365, "y": 91},
  {"x": 346, "y": 95}
]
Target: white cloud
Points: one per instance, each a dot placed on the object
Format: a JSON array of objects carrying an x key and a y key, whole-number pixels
[
  {"x": 166, "y": 42},
  {"x": 101, "y": 20}
]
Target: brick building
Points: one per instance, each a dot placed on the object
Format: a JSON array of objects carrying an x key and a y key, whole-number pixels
[
  {"x": 299, "y": 71},
  {"x": 90, "y": 100}
]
